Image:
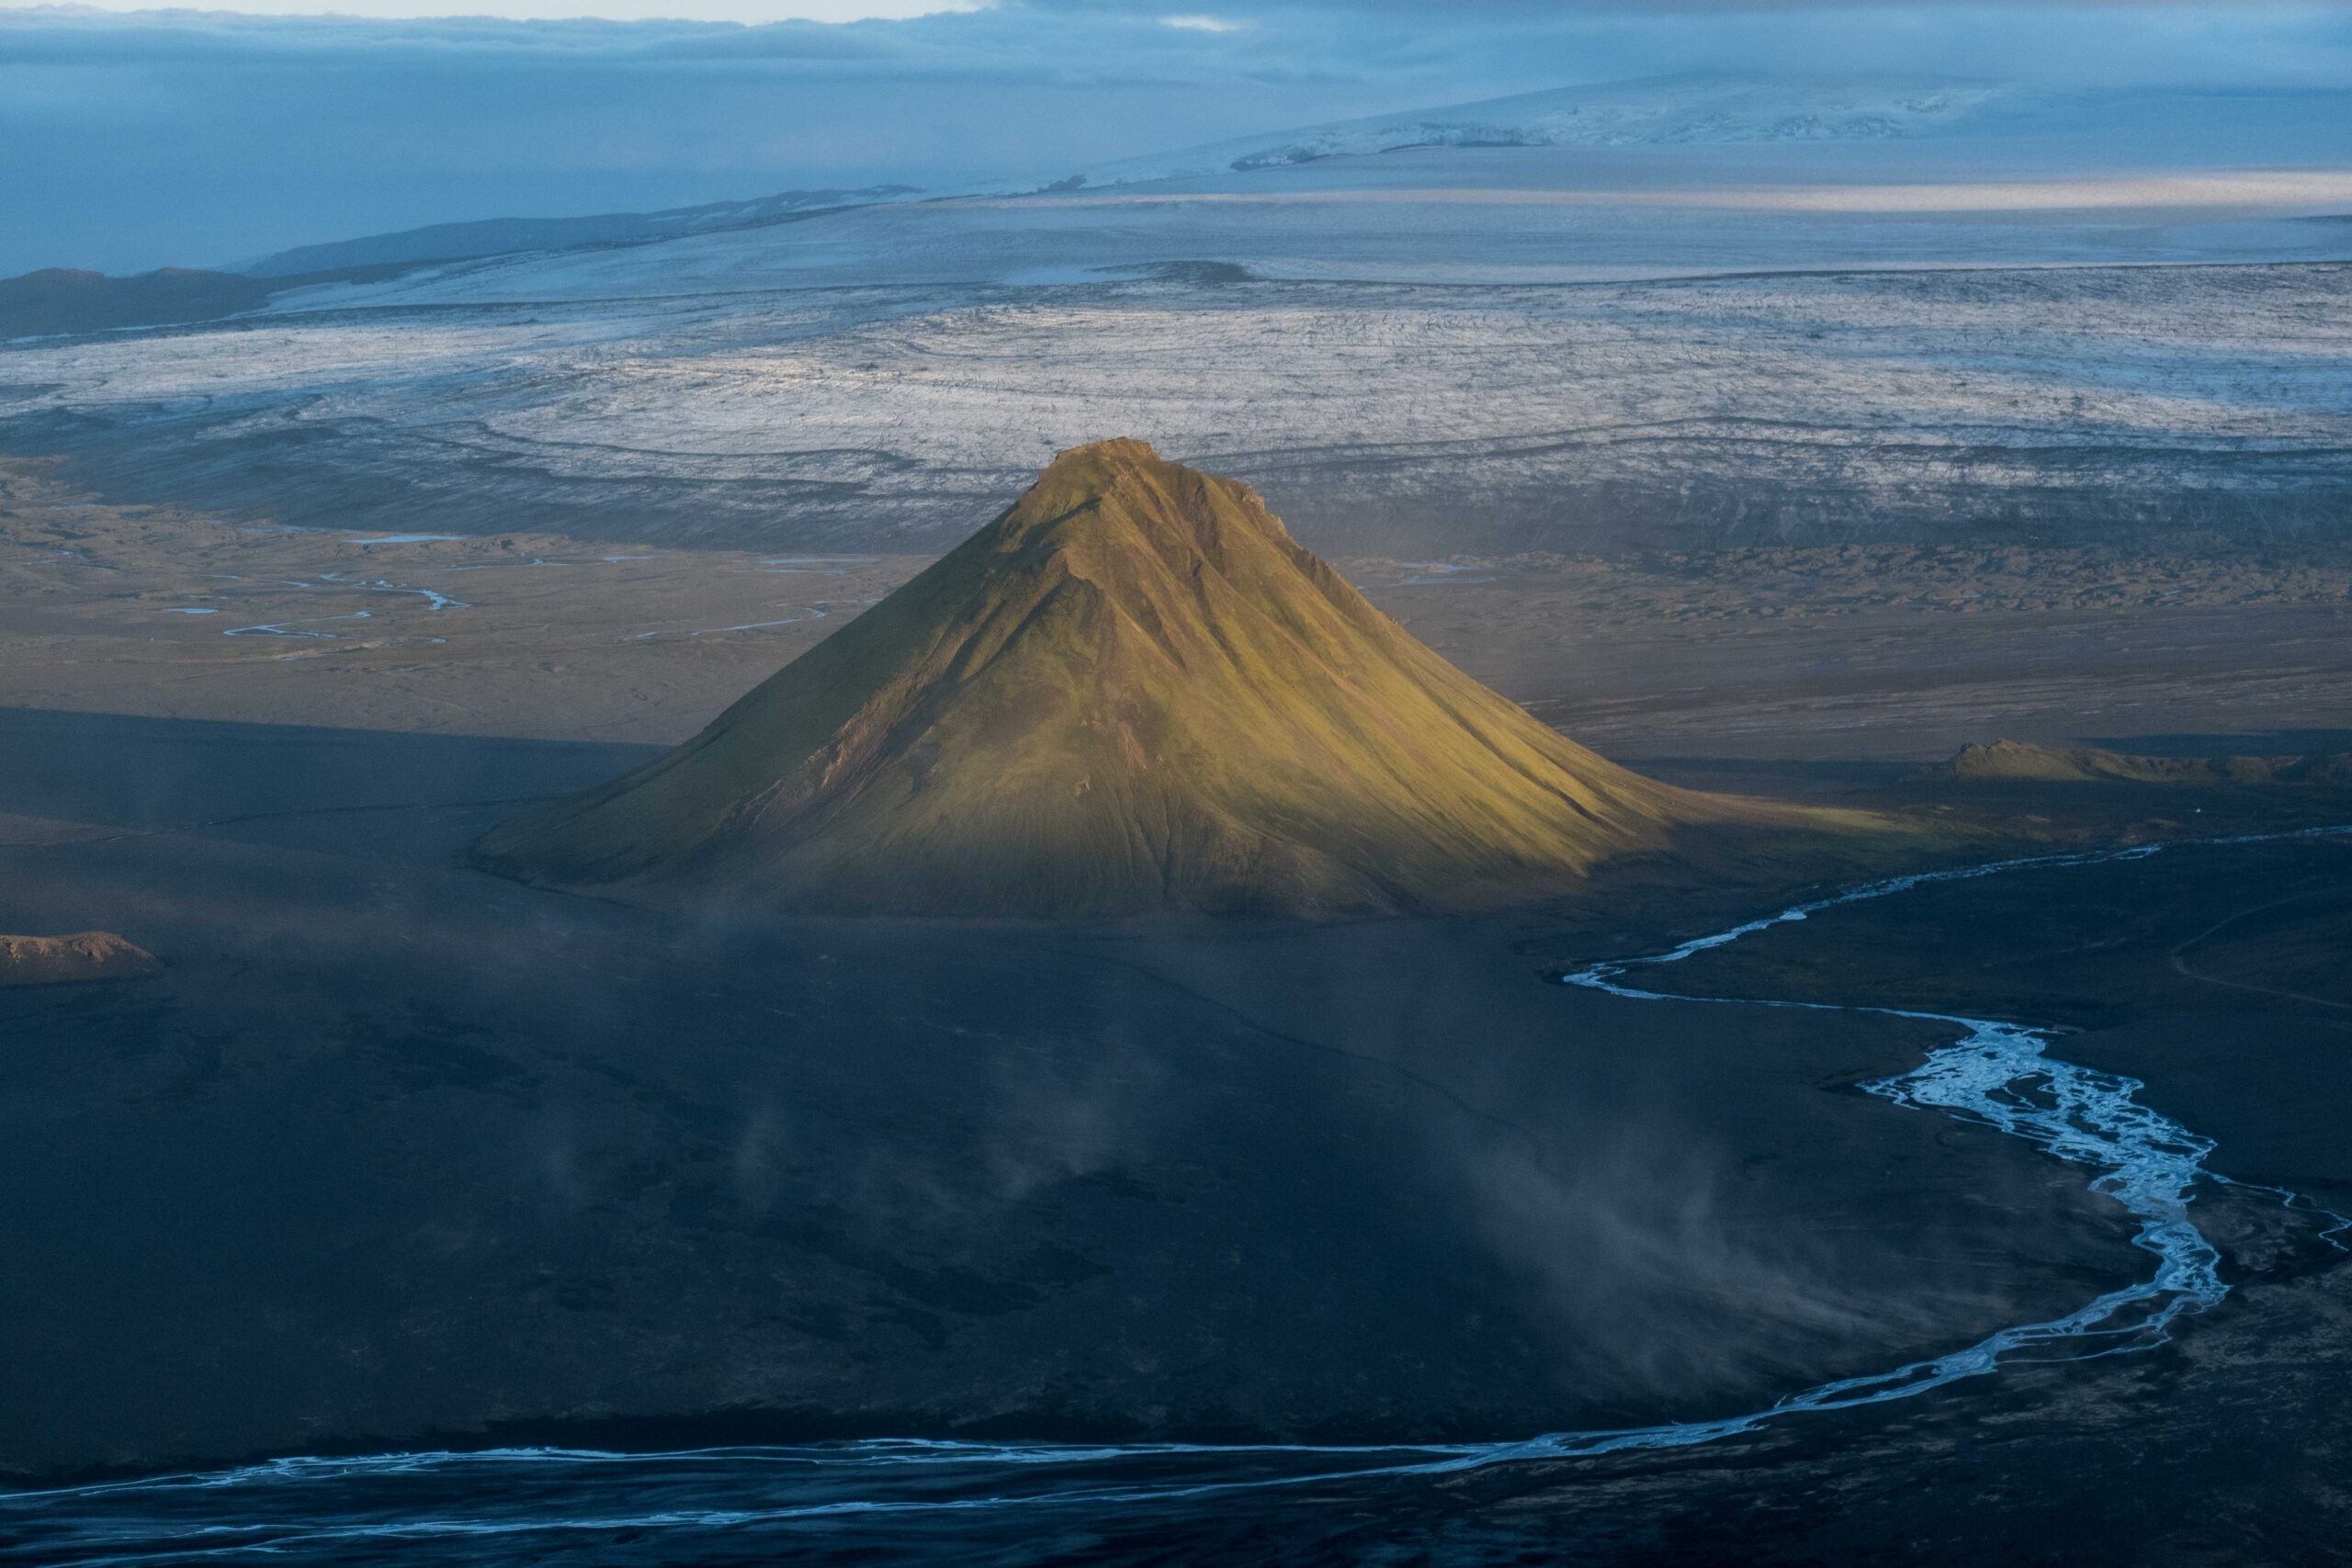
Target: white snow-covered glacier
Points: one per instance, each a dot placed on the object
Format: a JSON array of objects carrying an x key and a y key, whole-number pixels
[{"x": 1700, "y": 308}]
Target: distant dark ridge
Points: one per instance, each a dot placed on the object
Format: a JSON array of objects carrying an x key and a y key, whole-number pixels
[
  {"x": 510, "y": 236},
  {"x": 57, "y": 299},
  {"x": 62, "y": 299}
]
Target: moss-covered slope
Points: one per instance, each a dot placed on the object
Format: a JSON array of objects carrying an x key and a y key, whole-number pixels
[{"x": 1132, "y": 691}]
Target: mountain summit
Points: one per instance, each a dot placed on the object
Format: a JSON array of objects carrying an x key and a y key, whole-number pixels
[{"x": 1132, "y": 691}]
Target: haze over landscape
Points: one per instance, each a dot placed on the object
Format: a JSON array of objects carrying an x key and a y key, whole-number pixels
[{"x": 1051, "y": 783}]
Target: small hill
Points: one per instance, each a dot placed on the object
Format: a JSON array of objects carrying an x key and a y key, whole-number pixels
[
  {"x": 2018, "y": 762},
  {"x": 87, "y": 955},
  {"x": 1132, "y": 691}
]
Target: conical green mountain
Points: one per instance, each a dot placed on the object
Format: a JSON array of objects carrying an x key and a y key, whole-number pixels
[{"x": 1130, "y": 692}]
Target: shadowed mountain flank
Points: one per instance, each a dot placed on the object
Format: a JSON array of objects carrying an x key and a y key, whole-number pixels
[{"x": 1131, "y": 692}]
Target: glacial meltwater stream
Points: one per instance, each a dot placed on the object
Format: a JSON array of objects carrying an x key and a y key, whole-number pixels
[{"x": 758, "y": 1503}]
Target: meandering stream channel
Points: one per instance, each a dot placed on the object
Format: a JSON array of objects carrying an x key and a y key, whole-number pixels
[{"x": 708, "y": 1505}]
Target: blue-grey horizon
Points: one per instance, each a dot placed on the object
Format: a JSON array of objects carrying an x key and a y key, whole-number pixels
[{"x": 134, "y": 140}]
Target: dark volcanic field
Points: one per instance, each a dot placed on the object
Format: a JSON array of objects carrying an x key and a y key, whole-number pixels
[
  {"x": 394, "y": 1149},
  {"x": 395, "y": 1153}
]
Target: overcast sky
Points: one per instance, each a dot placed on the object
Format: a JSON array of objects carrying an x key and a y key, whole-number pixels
[{"x": 131, "y": 140}]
